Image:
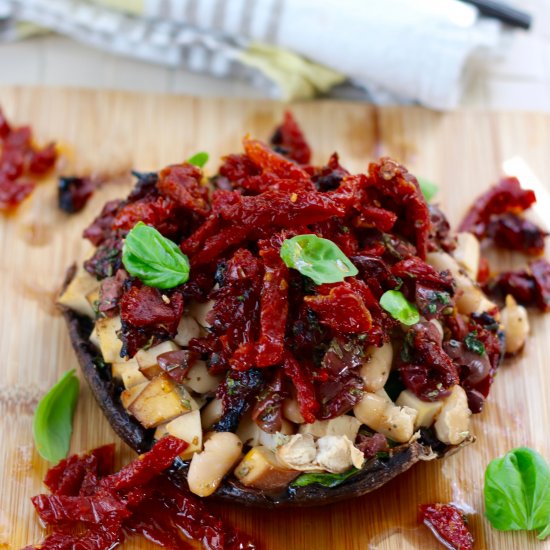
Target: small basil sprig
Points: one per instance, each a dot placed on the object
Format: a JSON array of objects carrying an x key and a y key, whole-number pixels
[
  {"x": 429, "y": 189},
  {"x": 326, "y": 480},
  {"x": 517, "y": 492},
  {"x": 317, "y": 258},
  {"x": 154, "y": 259},
  {"x": 198, "y": 159},
  {"x": 399, "y": 307},
  {"x": 52, "y": 425}
]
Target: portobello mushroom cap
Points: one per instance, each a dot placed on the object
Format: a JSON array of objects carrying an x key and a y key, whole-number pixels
[{"x": 375, "y": 473}]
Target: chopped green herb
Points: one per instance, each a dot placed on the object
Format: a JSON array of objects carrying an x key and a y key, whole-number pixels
[
  {"x": 154, "y": 259},
  {"x": 53, "y": 419},
  {"x": 317, "y": 258},
  {"x": 517, "y": 492},
  {"x": 326, "y": 480},
  {"x": 473, "y": 344},
  {"x": 399, "y": 307},
  {"x": 199, "y": 159}
]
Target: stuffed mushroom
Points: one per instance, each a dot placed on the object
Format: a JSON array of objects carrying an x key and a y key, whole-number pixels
[{"x": 310, "y": 333}]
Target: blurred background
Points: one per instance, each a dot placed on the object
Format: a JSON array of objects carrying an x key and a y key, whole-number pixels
[{"x": 442, "y": 54}]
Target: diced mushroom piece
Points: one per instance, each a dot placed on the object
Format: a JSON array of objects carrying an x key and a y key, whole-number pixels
[
  {"x": 426, "y": 411},
  {"x": 187, "y": 427},
  {"x": 376, "y": 370},
  {"x": 199, "y": 311},
  {"x": 394, "y": 422},
  {"x": 453, "y": 423},
  {"x": 74, "y": 296},
  {"x": 516, "y": 325},
  {"x": 291, "y": 411},
  {"x": 110, "y": 344},
  {"x": 337, "y": 454},
  {"x": 211, "y": 413},
  {"x": 199, "y": 380},
  {"x": 188, "y": 329},
  {"x": 132, "y": 377},
  {"x": 341, "y": 425},
  {"x": 161, "y": 401},
  {"x": 94, "y": 339},
  {"x": 260, "y": 469},
  {"x": 93, "y": 299},
  {"x": 252, "y": 435},
  {"x": 147, "y": 358},
  {"x": 298, "y": 453},
  {"x": 127, "y": 397},
  {"x": 467, "y": 253},
  {"x": 207, "y": 469},
  {"x": 119, "y": 367}
]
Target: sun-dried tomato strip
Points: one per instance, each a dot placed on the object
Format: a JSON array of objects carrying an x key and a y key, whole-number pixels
[
  {"x": 215, "y": 245},
  {"x": 415, "y": 268},
  {"x": 279, "y": 209},
  {"x": 378, "y": 218},
  {"x": 148, "y": 465},
  {"x": 54, "y": 509},
  {"x": 514, "y": 232},
  {"x": 289, "y": 139},
  {"x": 305, "y": 391},
  {"x": 270, "y": 161},
  {"x": 274, "y": 302},
  {"x": 192, "y": 517},
  {"x": 540, "y": 271},
  {"x": 506, "y": 196},
  {"x": 340, "y": 307},
  {"x": 181, "y": 183},
  {"x": 448, "y": 525},
  {"x": 67, "y": 477}
]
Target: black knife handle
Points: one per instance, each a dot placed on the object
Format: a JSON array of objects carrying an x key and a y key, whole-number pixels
[{"x": 502, "y": 12}]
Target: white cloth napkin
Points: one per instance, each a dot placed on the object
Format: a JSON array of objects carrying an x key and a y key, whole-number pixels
[{"x": 398, "y": 50}]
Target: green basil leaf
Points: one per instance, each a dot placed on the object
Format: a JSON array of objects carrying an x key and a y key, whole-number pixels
[
  {"x": 545, "y": 532},
  {"x": 429, "y": 189},
  {"x": 326, "y": 480},
  {"x": 154, "y": 259},
  {"x": 399, "y": 307},
  {"x": 317, "y": 258},
  {"x": 53, "y": 418},
  {"x": 199, "y": 159},
  {"x": 517, "y": 492}
]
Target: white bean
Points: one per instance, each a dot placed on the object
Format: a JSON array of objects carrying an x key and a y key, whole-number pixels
[
  {"x": 453, "y": 423},
  {"x": 469, "y": 297},
  {"x": 370, "y": 409},
  {"x": 376, "y": 370},
  {"x": 467, "y": 253},
  {"x": 207, "y": 469},
  {"x": 516, "y": 325},
  {"x": 382, "y": 416}
]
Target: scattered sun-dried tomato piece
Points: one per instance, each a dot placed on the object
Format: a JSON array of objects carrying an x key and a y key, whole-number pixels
[{"x": 448, "y": 525}]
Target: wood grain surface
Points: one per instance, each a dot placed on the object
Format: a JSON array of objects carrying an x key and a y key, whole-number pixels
[{"x": 108, "y": 133}]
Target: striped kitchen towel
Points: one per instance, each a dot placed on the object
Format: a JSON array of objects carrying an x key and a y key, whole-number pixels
[{"x": 396, "y": 50}]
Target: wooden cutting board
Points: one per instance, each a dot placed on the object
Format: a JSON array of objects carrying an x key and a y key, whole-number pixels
[{"x": 110, "y": 132}]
